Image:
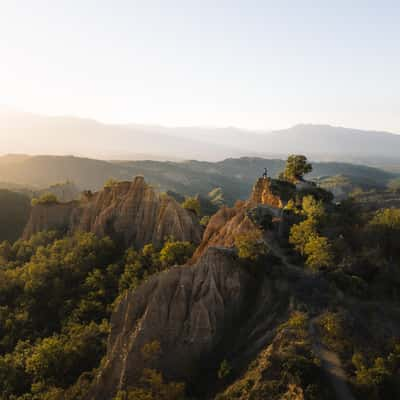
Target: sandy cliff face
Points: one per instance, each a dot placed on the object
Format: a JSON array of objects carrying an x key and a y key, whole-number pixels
[
  {"x": 272, "y": 192},
  {"x": 267, "y": 199},
  {"x": 128, "y": 211},
  {"x": 224, "y": 226},
  {"x": 44, "y": 217},
  {"x": 190, "y": 310},
  {"x": 200, "y": 315}
]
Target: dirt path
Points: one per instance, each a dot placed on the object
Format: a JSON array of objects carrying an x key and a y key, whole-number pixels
[
  {"x": 332, "y": 366},
  {"x": 330, "y": 361},
  {"x": 277, "y": 251}
]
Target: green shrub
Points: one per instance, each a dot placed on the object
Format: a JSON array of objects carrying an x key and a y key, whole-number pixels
[
  {"x": 192, "y": 204},
  {"x": 224, "y": 370},
  {"x": 296, "y": 167},
  {"x": 46, "y": 199},
  {"x": 176, "y": 252},
  {"x": 251, "y": 245}
]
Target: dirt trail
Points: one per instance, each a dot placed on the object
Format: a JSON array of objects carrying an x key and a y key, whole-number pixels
[
  {"x": 277, "y": 251},
  {"x": 330, "y": 361},
  {"x": 332, "y": 366}
]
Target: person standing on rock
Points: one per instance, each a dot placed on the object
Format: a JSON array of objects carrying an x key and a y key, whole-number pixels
[{"x": 265, "y": 174}]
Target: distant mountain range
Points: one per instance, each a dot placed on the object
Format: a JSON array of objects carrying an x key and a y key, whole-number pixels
[
  {"x": 235, "y": 175},
  {"x": 34, "y": 134}
]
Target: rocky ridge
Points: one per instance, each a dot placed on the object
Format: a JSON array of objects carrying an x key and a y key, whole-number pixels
[
  {"x": 265, "y": 205},
  {"x": 199, "y": 312},
  {"x": 131, "y": 212},
  {"x": 190, "y": 310}
]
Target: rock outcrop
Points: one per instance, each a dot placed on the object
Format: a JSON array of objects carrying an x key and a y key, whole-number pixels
[
  {"x": 54, "y": 216},
  {"x": 131, "y": 212},
  {"x": 200, "y": 315},
  {"x": 272, "y": 192},
  {"x": 266, "y": 203},
  {"x": 224, "y": 226},
  {"x": 192, "y": 311},
  {"x": 64, "y": 192}
]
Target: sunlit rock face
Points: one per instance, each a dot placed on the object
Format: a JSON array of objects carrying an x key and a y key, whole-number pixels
[
  {"x": 131, "y": 212},
  {"x": 224, "y": 227},
  {"x": 272, "y": 192},
  {"x": 268, "y": 198}
]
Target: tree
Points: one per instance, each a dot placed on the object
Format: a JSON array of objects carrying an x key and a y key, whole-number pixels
[
  {"x": 192, "y": 204},
  {"x": 251, "y": 245},
  {"x": 319, "y": 252},
  {"x": 153, "y": 387},
  {"x": 217, "y": 196},
  {"x": 139, "y": 265},
  {"x": 111, "y": 182},
  {"x": 151, "y": 351},
  {"x": 312, "y": 208},
  {"x": 224, "y": 370},
  {"x": 384, "y": 229},
  {"x": 205, "y": 220},
  {"x": 46, "y": 198},
  {"x": 176, "y": 253},
  {"x": 296, "y": 167},
  {"x": 301, "y": 233}
]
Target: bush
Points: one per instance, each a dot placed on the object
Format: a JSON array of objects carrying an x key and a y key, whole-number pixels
[
  {"x": 385, "y": 230},
  {"x": 110, "y": 183},
  {"x": 319, "y": 252},
  {"x": 251, "y": 245},
  {"x": 192, "y": 204},
  {"x": 312, "y": 208},
  {"x": 378, "y": 379},
  {"x": 301, "y": 233},
  {"x": 47, "y": 199},
  {"x": 296, "y": 167},
  {"x": 224, "y": 370},
  {"x": 176, "y": 253},
  {"x": 205, "y": 220}
]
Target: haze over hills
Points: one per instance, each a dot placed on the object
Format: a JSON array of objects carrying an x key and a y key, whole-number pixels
[
  {"x": 234, "y": 175},
  {"x": 33, "y": 134}
]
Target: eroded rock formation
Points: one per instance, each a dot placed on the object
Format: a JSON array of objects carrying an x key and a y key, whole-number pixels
[
  {"x": 190, "y": 310},
  {"x": 128, "y": 211},
  {"x": 224, "y": 226},
  {"x": 202, "y": 313},
  {"x": 272, "y": 192},
  {"x": 267, "y": 200}
]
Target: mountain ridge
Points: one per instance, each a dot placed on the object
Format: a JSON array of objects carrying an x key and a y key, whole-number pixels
[{"x": 91, "y": 138}]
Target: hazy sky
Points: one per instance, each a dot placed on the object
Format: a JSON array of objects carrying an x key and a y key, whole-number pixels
[{"x": 249, "y": 63}]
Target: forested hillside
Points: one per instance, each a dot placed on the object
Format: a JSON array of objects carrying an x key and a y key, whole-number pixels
[
  {"x": 14, "y": 214},
  {"x": 234, "y": 176},
  {"x": 289, "y": 295}
]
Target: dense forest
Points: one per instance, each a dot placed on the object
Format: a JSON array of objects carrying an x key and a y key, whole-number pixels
[
  {"x": 58, "y": 292},
  {"x": 56, "y": 295},
  {"x": 14, "y": 214}
]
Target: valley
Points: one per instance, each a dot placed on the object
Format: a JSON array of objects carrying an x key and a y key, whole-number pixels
[{"x": 285, "y": 294}]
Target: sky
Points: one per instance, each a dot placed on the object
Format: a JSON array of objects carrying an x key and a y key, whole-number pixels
[{"x": 255, "y": 64}]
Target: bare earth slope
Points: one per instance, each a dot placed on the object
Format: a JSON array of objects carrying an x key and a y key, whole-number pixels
[
  {"x": 131, "y": 212},
  {"x": 190, "y": 310}
]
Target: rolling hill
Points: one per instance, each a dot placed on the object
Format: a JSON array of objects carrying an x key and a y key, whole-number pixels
[
  {"x": 235, "y": 175},
  {"x": 34, "y": 134}
]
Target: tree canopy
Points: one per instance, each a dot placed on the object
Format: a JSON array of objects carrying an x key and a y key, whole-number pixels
[
  {"x": 192, "y": 204},
  {"x": 296, "y": 167}
]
